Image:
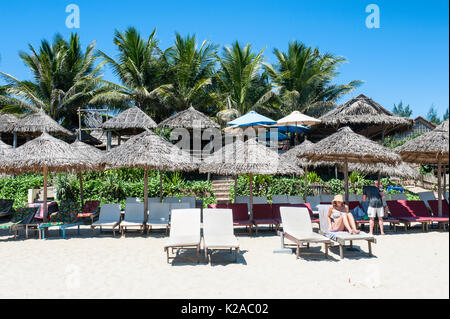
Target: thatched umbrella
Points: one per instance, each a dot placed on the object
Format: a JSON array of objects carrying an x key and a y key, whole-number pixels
[
  {"x": 7, "y": 125},
  {"x": 401, "y": 170},
  {"x": 344, "y": 147},
  {"x": 37, "y": 123},
  {"x": 89, "y": 153},
  {"x": 149, "y": 151},
  {"x": 44, "y": 154},
  {"x": 189, "y": 119},
  {"x": 4, "y": 147},
  {"x": 250, "y": 157},
  {"x": 130, "y": 122},
  {"x": 428, "y": 148},
  {"x": 366, "y": 117}
]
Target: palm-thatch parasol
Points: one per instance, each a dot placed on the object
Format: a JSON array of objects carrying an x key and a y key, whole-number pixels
[
  {"x": 250, "y": 157},
  {"x": 7, "y": 125},
  {"x": 44, "y": 154},
  {"x": 366, "y": 117},
  {"x": 429, "y": 148},
  {"x": 149, "y": 151},
  {"x": 89, "y": 153},
  {"x": 401, "y": 170},
  {"x": 39, "y": 122},
  {"x": 189, "y": 119},
  {"x": 4, "y": 147},
  {"x": 345, "y": 146}
]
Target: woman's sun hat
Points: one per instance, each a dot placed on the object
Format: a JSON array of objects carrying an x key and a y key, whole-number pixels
[{"x": 337, "y": 198}]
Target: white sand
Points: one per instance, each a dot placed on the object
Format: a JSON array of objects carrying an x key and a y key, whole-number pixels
[{"x": 407, "y": 265}]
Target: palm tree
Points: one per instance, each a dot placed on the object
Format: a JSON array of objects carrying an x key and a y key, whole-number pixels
[
  {"x": 140, "y": 68},
  {"x": 190, "y": 70},
  {"x": 65, "y": 78},
  {"x": 303, "y": 80},
  {"x": 239, "y": 79}
]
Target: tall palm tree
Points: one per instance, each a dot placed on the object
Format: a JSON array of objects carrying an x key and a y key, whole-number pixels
[
  {"x": 303, "y": 80},
  {"x": 190, "y": 70},
  {"x": 140, "y": 68},
  {"x": 239, "y": 79},
  {"x": 65, "y": 78}
]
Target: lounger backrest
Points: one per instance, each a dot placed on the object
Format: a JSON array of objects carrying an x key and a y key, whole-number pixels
[
  {"x": 353, "y": 198},
  {"x": 399, "y": 208},
  {"x": 159, "y": 211},
  {"x": 24, "y": 215},
  {"x": 91, "y": 206},
  {"x": 426, "y": 196},
  {"x": 323, "y": 216},
  {"x": 314, "y": 201},
  {"x": 240, "y": 211},
  {"x": 242, "y": 200},
  {"x": 217, "y": 222},
  {"x": 353, "y": 205},
  {"x": 134, "y": 212},
  {"x": 295, "y": 200},
  {"x": 154, "y": 200},
  {"x": 185, "y": 222},
  {"x": 400, "y": 196},
  {"x": 276, "y": 209},
  {"x": 179, "y": 206},
  {"x": 188, "y": 199},
  {"x": 433, "y": 204},
  {"x": 446, "y": 196},
  {"x": 326, "y": 198},
  {"x": 171, "y": 200},
  {"x": 295, "y": 220},
  {"x": 280, "y": 199},
  {"x": 131, "y": 200},
  {"x": 262, "y": 211},
  {"x": 109, "y": 213},
  {"x": 260, "y": 200},
  {"x": 418, "y": 208}
]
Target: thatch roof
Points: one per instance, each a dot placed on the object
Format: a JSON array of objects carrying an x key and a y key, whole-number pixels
[
  {"x": 401, "y": 170},
  {"x": 4, "y": 148},
  {"x": 130, "y": 121},
  {"x": 245, "y": 158},
  {"x": 151, "y": 151},
  {"x": 45, "y": 150},
  {"x": 291, "y": 156},
  {"x": 427, "y": 148},
  {"x": 346, "y": 145},
  {"x": 6, "y": 122},
  {"x": 443, "y": 126},
  {"x": 366, "y": 117},
  {"x": 89, "y": 153},
  {"x": 37, "y": 123},
  {"x": 189, "y": 119}
]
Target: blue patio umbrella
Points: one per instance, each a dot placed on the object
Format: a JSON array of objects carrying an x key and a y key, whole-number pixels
[
  {"x": 252, "y": 118},
  {"x": 276, "y": 136},
  {"x": 291, "y": 128}
]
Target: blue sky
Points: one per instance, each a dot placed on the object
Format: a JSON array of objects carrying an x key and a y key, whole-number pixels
[{"x": 406, "y": 59}]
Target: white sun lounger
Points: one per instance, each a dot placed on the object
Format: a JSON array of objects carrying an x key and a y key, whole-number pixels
[
  {"x": 218, "y": 231},
  {"x": 280, "y": 199},
  {"x": 184, "y": 231},
  {"x": 297, "y": 227},
  {"x": 134, "y": 217},
  {"x": 109, "y": 217},
  {"x": 341, "y": 237},
  {"x": 295, "y": 200}
]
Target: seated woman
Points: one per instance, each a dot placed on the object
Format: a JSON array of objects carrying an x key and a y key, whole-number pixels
[{"x": 339, "y": 219}]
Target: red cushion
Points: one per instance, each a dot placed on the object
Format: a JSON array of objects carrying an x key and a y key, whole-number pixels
[
  {"x": 265, "y": 221},
  {"x": 399, "y": 209},
  {"x": 262, "y": 211},
  {"x": 353, "y": 205},
  {"x": 418, "y": 208},
  {"x": 240, "y": 211},
  {"x": 434, "y": 207}
]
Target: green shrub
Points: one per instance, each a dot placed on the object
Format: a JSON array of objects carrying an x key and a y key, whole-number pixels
[{"x": 16, "y": 187}]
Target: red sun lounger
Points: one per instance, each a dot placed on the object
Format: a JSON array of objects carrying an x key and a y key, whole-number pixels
[
  {"x": 400, "y": 210},
  {"x": 434, "y": 208},
  {"x": 262, "y": 215}
]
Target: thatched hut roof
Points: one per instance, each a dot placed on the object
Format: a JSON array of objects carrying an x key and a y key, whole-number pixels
[
  {"x": 37, "y": 123},
  {"x": 346, "y": 145},
  {"x": 45, "y": 150},
  {"x": 401, "y": 170},
  {"x": 189, "y": 119},
  {"x": 90, "y": 153},
  {"x": 250, "y": 157},
  {"x": 6, "y": 122},
  {"x": 427, "y": 148},
  {"x": 443, "y": 126},
  {"x": 291, "y": 156},
  {"x": 149, "y": 150},
  {"x": 4, "y": 148},
  {"x": 130, "y": 121},
  {"x": 364, "y": 116}
]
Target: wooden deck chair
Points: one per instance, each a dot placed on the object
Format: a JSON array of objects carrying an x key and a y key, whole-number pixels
[
  {"x": 159, "y": 216},
  {"x": 109, "y": 217},
  {"x": 134, "y": 217}
]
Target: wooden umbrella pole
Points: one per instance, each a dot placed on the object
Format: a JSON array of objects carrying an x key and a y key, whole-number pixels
[
  {"x": 346, "y": 179},
  {"x": 45, "y": 195},
  {"x": 250, "y": 179},
  {"x": 445, "y": 181},
  {"x": 235, "y": 187},
  {"x": 80, "y": 177},
  {"x": 306, "y": 181},
  {"x": 439, "y": 188},
  {"x": 160, "y": 186},
  {"x": 146, "y": 192}
]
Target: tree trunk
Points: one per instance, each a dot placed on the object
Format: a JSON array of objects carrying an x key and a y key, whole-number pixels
[
  {"x": 45, "y": 195},
  {"x": 439, "y": 188},
  {"x": 146, "y": 192},
  {"x": 250, "y": 179},
  {"x": 80, "y": 177},
  {"x": 346, "y": 179},
  {"x": 160, "y": 186}
]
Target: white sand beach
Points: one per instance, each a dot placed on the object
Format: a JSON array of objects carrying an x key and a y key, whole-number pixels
[{"x": 406, "y": 265}]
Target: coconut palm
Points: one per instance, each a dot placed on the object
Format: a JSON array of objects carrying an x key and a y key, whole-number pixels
[
  {"x": 303, "y": 79},
  {"x": 239, "y": 79},
  {"x": 65, "y": 78},
  {"x": 190, "y": 70},
  {"x": 139, "y": 66}
]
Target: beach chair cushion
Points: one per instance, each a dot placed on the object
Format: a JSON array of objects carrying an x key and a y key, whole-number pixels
[
  {"x": 109, "y": 214},
  {"x": 134, "y": 215},
  {"x": 67, "y": 214},
  {"x": 90, "y": 208},
  {"x": 6, "y": 206},
  {"x": 240, "y": 212},
  {"x": 159, "y": 214},
  {"x": 400, "y": 210},
  {"x": 262, "y": 214},
  {"x": 295, "y": 200},
  {"x": 188, "y": 199},
  {"x": 433, "y": 204},
  {"x": 218, "y": 229},
  {"x": 297, "y": 223},
  {"x": 170, "y": 200},
  {"x": 185, "y": 228},
  {"x": 20, "y": 216},
  {"x": 426, "y": 196},
  {"x": 280, "y": 199},
  {"x": 260, "y": 200}
]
